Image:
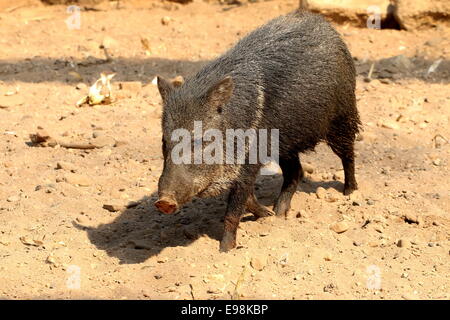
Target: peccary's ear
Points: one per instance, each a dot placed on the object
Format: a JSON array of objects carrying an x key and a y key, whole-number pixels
[
  {"x": 221, "y": 92},
  {"x": 164, "y": 87}
]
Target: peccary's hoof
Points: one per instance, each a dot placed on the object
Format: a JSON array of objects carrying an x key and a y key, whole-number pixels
[
  {"x": 349, "y": 190},
  {"x": 263, "y": 212},
  {"x": 228, "y": 242},
  {"x": 281, "y": 209}
]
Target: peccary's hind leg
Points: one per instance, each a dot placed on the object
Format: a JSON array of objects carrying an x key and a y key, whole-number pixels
[
  {"x": 341, "y": 140},
  {"x": 292, "y": 174},
  {"x": 256, "y": 208}
]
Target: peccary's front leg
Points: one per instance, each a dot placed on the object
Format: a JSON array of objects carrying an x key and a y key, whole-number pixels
[{"x": 235, "y": 209}]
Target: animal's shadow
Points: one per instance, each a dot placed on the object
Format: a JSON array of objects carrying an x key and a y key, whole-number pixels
[{"x": 141, "y": 232}]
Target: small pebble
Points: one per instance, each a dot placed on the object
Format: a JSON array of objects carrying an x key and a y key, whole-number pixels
[
  {"x": 340, "y": 227},
  {"x": 403, "y": 243}
]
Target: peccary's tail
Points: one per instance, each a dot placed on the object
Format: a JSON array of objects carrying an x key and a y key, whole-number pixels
[{"x": 303, "y": 5}]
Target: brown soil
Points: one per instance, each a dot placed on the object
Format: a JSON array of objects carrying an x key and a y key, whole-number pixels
[{"x": 52, "y": 219}]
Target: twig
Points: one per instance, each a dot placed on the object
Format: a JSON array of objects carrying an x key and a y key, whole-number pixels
[
  {"x": 192, "y": 291},
  {"x": 235, "y": 295},
  {"x": 369, "y": 76},
  {"x": 9, "y": 10}
]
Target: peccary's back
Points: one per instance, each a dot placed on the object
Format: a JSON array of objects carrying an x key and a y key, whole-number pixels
[{"x": 294, "y": 73}]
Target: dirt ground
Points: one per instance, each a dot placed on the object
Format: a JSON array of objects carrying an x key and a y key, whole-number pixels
[{"x": 58, "y": 241}]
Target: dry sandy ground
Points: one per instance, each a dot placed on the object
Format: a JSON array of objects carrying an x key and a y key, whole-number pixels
[{"x": 57, "y": 240}]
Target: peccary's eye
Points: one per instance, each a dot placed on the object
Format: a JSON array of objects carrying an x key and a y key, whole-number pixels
[{"x": 219, "y": 109}]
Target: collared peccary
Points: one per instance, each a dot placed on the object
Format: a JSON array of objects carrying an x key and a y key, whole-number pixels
[{"x": 294, "y": 74}]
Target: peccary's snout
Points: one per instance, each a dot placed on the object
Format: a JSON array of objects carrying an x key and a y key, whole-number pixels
[
  {"x": 175, "y": 188},
  {"x": 167, "y": 205}
]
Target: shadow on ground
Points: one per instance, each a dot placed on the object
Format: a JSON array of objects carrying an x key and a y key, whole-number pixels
[
  {"x": 40, "y": 69},
  {"x": 142, "y": 232}
]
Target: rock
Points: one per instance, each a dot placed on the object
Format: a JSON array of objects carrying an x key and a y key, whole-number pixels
[
  {"x": 132, "y": 86},
  {"x": 213, "y": 290},
  {"x": 340, "y": 227},
  {"x": 403, "y": 243},
  {"x": 308, "y": 168},
  {"x": 13, "y": 199},
  {"x": 51, "y": 260},
  {"x": 439, "y": 141},
  {"x": 412, "y": 15},
  {"x": 40, "y": 136},
  {"x": 103, "y": 141},
  {"x": 75, "y": 76},
  {"x": 355, "y": 11},
  {"x": 434, "y": 42},
  {"x": 373, "y": 244},
  {"x": 97, "y": 134},
  {"x": 423, "y": 125},
  {"x": 165, "y": 20},
  {"x": 83, "y": 220},
  {"x": 390, "y": 124},
  {"x": 321, "y": 193},
  {"x": 301, "y": 214},
  {"x": 333, "y": 195},
  {"x": 338, "y": 176},
  {"x": 31, "y": 242},
  {"x": 331, "y": 287},
  {"x": 113, "y": 207},
  {"x": 11, "y": 101},
  {"x": 132, "y": 204},
  {"x": 412, "y": 218},
  {"x": 258, "y": 263},
  {"x": 408, "y": 296},
  {"x": 181, "y": 1},
  {"x": 164, "y": 260},
  {"x": 109, "y": 42},
  {"x": 77, "y": 179},
  {"x": 79, "y": 2},
  {"x": 81, "y": 86},
  {"x": 141, "y": 245},
  {"x": 66, "y": 166},
  {"x": 43, "y": 138}
]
